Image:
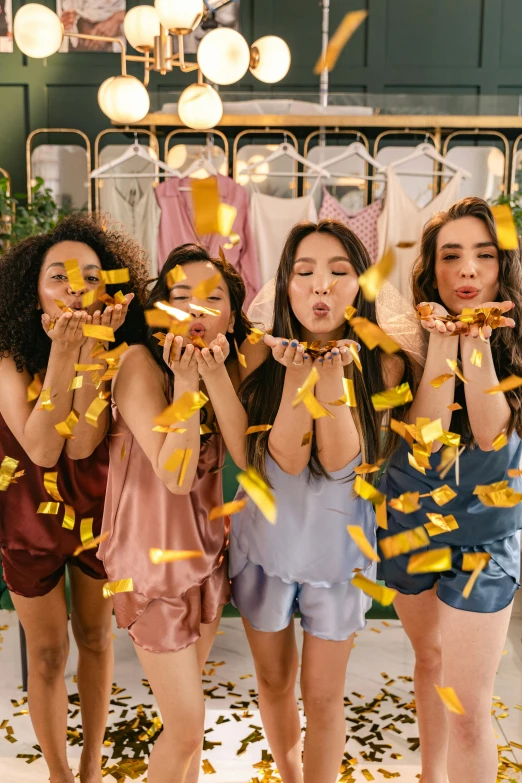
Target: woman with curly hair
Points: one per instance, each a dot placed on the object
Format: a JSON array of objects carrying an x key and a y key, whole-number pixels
[
  {"x": 42, "y": 348},
  {"x": 160, "y": 496}
]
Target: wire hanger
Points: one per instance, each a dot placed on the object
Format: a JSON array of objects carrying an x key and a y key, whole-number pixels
[
  {"x": 133, "y": 151},
  {"x": 356, "y": 149},
  {"x": 287, "y": 150},
  {"x": 203, "y": 160},
  {"x": 428, "y": 151}
]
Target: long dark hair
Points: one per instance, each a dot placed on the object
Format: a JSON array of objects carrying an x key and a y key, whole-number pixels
[
  {"x": 21, "y": 332},
  {"x": 506, "y": 344},
  {"x": 190, "y": 254},
  {"x": 261, "y": 392}
]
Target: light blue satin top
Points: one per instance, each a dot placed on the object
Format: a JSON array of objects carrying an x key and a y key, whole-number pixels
[{"x": 309, "y": 542}]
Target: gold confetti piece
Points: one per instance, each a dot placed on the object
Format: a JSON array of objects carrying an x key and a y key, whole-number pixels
[
  {"x": 74, "y": 274},
  {"x": 203, "y": 430},
  {"x": 455, "y": 407},
  {"x": 307, "y": 387},
  {"x": 392, "y": 398},
  {"x": 358, "y": 535},
  {"x": 373, "y": 336},
  {"x": 348, "y": 397},
  {"x": 86, "y": 530},
  {"x": 173, "y": 312},
  {"x": 259, "y": 492},
  {"x": 349, "y": 312},
  {"x": 258, "y": 428},
  {"x": 314, "y": 407},
  {"x": 355, "y": 356},
  {"x": 400, "y": 428},
  {"x": 66, "y": 428},
  {"x": 207, "y": 767},
  {"x": 443, "y": 495},
  {"x": 338, "y": 41},
  {"x": 240, "y": 356},
  {"x": 76, "y": 383},
  {"x": 88, "y": 367},
  {"x": 227, "y": 509},
  {"x": 514, "y": 473},
  {"x": 205, "y": 310},
  {"x": 51, "y": 485},
  {"x": 205, "y": 199},
  {"x": 175, "y": 275},
  {"x": 34, "y": 388},
  {"x": 367, "y": 468},
  {"x": 476, "y": 358},
  {"x": 450, "y": 700},
  {"x": 226, "y": 215},
  {"x": 371, "y": 281},
  {"x": 182, "y": 409},
  {"x": 94, "y": 411},
  {"x": 367, "y": 774},
  {"x": 206, "y": 287},
  {"x": 46, "y": 404},
  {"x": 105, "y": 333},
  {"x": 381, "y": 515},
  {"x": 440, "y": 379},
  {"x": 367, "y": 491},
  {"x": 476, "y": 562},
  {"x": 119, "y": 586},
  {"x": 90, "y": 543},
  {"x": 432, "y": 431},
  {"x": 307, "y": 437},
  {"x": 69, "y": 518},
  {"x": 407, "y": 503},
  {"x": 421, "y": 455},
  {"x": 7, "y": 469},
  {"x": 405, "y": 244},
  {"x": 175, "y": 460},
  {"x": 454, "y": 365},
  {"x": 384, "y": 595},
  {"x": 414, "y": 464},
  {"x": 507, "y": 384},
  {"x": 498, "y": 495},
  {"x": 506, "y": 228},
  {"x": 48, "y": 508},
  {"x": 172, "y": 555},
  {"x": 427, "y": 562},
  {"x": 92, "y": 296},
  {"x": 115, "y": 276},
  {"x": 500, "y": 441},
  {"x": 255, "y": 336},
  {"x": 402, "y": 543},
  {"x": 159, "y": 318},
  {"x": 450, "y": 439}
]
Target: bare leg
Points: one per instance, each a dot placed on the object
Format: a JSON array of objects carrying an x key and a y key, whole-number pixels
[
  {"x": 420, "y": 618},
  {"x": 472, "y": 645},
  {"x": 44, "y": 620},
  {"x": 91, "y": 625},
  {"x": 323, "y": 674},
  {"x": 175, "y": 679},
  {"x": 203, "y": 646},
  {"x": 276, "y": 661}
]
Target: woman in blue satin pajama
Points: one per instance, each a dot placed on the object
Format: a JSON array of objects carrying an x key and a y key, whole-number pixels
[
  {"x": 458, "y": 640},
  {"x": 306, "y": 560}
]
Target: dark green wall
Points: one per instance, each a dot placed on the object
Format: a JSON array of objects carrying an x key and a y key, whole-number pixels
[{"x": 406, "y": 46}]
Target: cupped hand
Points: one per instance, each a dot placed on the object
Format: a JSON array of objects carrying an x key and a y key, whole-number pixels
[
  {"x": 338, "y": 358},
  {"x": 474, "y": 329},
  {"x": 113, "y": 315},
  {"x": 183, "y": 364},
  {"x": 213, "y": 358},
  {"x": 434, "y": 324},
  {"x": 289, "y": 353},
  {"x": 66, "y": 332}
]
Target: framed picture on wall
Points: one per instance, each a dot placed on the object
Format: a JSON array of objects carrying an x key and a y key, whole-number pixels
[
  {"x": 91, "y": 17},
  {"x": 218, "y": 13},
  {"x": 6, "y": 26}
]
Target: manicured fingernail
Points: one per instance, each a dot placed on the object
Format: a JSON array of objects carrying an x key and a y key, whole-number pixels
[
  {"x": 284, "y": 342},
  {"x": 321, "y": 360},
  {"x": 294, "y": 343},
  {"x": 306, "y": 356},
  {"x": 358, "y": 346}
]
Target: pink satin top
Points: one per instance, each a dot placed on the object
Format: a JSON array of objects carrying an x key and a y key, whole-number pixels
[{"x": 141, "y": 513}]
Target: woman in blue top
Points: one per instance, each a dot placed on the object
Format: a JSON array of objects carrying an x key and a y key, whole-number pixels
[
  {"x": 307, "y": 559},
  {"x": 458, "y": 641}
]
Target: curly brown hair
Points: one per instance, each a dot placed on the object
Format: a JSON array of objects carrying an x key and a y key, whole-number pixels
[
  {"x": 506, "y": 344},
  {"x": 21, "y": 333}
]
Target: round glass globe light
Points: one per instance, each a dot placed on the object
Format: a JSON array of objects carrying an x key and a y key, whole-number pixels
[
  {"x": 223, "y": 56},
  {"x": 37, "y": 30},
  {"x": 123, "y": 99},
  {"x": 180, "y": 16},
  {"x": 141, "y": 25},
  {"x": 271, "y": 59},
  {"x": 177, "y": 156},
  {"x": 200, "y": 107}
]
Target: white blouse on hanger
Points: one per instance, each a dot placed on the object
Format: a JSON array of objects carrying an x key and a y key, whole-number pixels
[
  {"x": 401, "y": 224},
  {"x": 272, "y": 219}
]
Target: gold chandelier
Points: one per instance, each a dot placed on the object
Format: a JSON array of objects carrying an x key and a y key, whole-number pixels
[{"x": 223, "y": 57}]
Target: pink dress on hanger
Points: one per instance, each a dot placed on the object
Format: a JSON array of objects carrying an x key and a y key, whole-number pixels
[
  {"x": 177, "y": 227},
  {"x": 363, "y": 223}
]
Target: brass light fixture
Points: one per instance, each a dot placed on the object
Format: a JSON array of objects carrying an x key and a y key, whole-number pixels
[{"x": 223, "y": 57}]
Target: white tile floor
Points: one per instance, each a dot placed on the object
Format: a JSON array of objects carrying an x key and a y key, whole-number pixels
[{"x": 374, "y": 653}]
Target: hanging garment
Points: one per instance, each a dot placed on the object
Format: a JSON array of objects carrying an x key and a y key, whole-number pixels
[
  {"x": 363, "y": 223},
  {"x": 177, "y": 227},
  {"x": 132, "y": 202},
  {"x": 401, "y": 223},
  {"x": 272, "y": 219}
]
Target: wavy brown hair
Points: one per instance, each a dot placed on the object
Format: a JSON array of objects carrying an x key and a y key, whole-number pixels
[
  {"x": 191, "y": 254},
  {"x": 21, "y": 332},
  {"x": 261, "y": 392},
  {"x": 506, "y": 344}
]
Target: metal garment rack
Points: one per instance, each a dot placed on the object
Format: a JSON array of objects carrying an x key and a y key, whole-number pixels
[
  {"x": 478, "y": 132},
  {"x": 287, "y": 135},
  {"x": 189, "y": 132},
  {"x": 337, "y": 132}
]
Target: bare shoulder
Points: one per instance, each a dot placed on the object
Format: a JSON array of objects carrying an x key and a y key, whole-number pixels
[
  {"x": 137, "y": 367},
  {"x": 9, "y": 374},
  {"x": 254, "y": 355}
]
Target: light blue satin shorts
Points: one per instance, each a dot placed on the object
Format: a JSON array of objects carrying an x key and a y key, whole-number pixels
[{"x": 268, "y": 603}]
